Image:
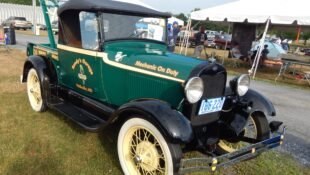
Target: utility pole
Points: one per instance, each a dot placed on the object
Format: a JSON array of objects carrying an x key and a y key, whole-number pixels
[{"x": 34, "y": 5}]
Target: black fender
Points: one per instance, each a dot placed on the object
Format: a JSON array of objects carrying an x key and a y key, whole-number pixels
[
  {"x": 260, "y": 103},
  {"x": 174, "y": 126},
  {"x": 40, "y": 65},
  {"x": 36, "y": 62}
]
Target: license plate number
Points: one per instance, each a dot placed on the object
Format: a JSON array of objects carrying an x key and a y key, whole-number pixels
[{"x": 211, "y": 105}]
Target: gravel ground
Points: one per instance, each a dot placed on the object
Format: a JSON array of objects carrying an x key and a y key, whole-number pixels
[
  {"x": 293, "y": 108},
  {"x": 292, "y": 105}
]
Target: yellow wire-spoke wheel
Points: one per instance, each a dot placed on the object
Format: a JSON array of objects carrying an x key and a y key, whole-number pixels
[
  {"x": 34, "y": 91},
  {"x": 250, "y": 131},
  {"x": 143, "y": 150}
]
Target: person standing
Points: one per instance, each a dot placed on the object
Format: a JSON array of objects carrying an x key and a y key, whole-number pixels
[
  {"x": 200, "y": 39},
  {"x": 171, "y": 44},
  {"x": 175, "y": 35}
]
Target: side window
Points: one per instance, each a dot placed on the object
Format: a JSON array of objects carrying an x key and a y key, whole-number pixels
[{"x": 89, "y": 30}]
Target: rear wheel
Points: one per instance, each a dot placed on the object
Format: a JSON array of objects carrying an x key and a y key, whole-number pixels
[
  {"x": 257, "y": 127},
  {"x": 34, "y": 91},
  {"x": 142, "y": 149}
]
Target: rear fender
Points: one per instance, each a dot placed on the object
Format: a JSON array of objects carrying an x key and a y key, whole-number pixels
[
  {"x": 38, "y": 64},
  {"x": 174, "y": 126}
]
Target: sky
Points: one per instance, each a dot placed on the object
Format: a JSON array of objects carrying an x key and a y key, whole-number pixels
[{"x": 183, "y": 6}]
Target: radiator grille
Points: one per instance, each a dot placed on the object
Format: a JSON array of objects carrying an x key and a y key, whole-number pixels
[{"x": 214, "y": 78}]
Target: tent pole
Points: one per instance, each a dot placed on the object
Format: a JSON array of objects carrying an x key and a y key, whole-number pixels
[
  {"x": 259, "y": 51},
  {"x": 34, "y": 6},
  {"x": 228, "y": 34},
  {"x": 187, "y": 39},
  {"x": 298, "y": 34},
  {"x": 185, "y": 35}
]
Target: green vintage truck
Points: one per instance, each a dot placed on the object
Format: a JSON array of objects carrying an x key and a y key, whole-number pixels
[{"x": 111, "y": 65}]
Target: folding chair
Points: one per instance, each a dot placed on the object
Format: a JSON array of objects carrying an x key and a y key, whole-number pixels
[
  {"x": 235, "y": 61},
  {"x": 3, "y": 42}
]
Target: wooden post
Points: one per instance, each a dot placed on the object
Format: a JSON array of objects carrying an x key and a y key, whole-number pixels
[{"x": 298, "y": 34}]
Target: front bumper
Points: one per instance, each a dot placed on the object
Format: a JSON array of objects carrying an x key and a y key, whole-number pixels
[{"x": 204, "y": 164}]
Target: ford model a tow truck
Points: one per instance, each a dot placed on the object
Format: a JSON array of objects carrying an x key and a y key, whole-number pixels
[{"x": 111, "y": 65}]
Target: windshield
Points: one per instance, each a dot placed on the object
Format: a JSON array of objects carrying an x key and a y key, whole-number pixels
[
  {"x": 20, "y": 18},
  {"x": 133, "y": 27}
]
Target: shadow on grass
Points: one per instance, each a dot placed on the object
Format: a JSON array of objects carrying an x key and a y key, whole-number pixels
[
  {"x": 74, "y": 126},
  {"x": 107, "y": 137}
]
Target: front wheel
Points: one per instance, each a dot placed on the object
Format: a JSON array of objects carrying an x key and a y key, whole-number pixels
[
  {"x": 257, "y": 127},
  {"x": 142, "y": 149}
]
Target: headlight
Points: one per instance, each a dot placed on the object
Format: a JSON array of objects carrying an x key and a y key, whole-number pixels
[
  {"x": 240, "y": 85},
  {"x": 194, "y": 89}
]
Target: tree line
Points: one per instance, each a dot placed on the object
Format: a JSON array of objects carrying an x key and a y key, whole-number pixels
[{"x": 23, "y": 2}]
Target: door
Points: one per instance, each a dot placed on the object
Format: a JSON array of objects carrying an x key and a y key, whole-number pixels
[{"x": 80, "y": 68}]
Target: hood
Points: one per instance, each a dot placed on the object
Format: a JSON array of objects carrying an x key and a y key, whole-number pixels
[{"x": 151, "y": 57}]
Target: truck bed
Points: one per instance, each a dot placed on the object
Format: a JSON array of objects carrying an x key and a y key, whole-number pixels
[{"x": 42, "y": 50}]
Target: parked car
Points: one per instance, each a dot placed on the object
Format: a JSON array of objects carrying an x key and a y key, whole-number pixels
[
  {"x": 307, "y": 52},
  {"x": 42, "y": 26},
  {"x": 220, "y": 41},
  {"x": 17, "y": 22},
  {"x": 304, "y": 49},
  {"x": 211, "y": 33},
  {"x": 103, "y": 71},
  {"x": 210, "y": 43},
  {"x": 191, "y": 34},
  {"x": 55, "y": 28}
]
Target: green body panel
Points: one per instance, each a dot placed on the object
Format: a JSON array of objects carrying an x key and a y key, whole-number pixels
[
  {"x": 90, "y": 75},
  {"x": 123, "y": 85},
  {"x": 81, "y": 73}
]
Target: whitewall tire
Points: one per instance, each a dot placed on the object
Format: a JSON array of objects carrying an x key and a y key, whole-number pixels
[
  {"x": 142, "y": 149},
  {"x": 34, "y": 91}
]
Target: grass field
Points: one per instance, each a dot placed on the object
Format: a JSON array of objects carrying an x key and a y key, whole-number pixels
[{"x": 48, "y": 144}]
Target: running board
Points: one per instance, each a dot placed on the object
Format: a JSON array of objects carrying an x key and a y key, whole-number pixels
[{"x": 83, "y": 118}]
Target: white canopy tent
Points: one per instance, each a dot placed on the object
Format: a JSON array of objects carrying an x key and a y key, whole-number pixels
[{"x": 277, "y": 12}]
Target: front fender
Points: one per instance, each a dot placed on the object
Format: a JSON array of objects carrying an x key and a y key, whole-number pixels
[
  {"x": 260, "y": 103},
  {"x": 173, "y": 124}
]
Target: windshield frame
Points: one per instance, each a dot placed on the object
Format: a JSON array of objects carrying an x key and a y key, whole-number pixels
[{"x": 102, "y": 33}]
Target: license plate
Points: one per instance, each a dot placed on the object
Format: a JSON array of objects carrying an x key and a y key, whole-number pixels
[{"x": 211, "y": 105}]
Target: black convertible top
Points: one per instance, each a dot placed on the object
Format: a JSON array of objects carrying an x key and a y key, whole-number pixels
[{"x": 109, "y": 6}]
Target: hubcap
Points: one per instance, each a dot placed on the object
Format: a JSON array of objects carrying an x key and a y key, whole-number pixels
[
  {"x": 148, "y": 156},
  {"x": 34, "y": 90},
  {"x": 145, "y": 154}
]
